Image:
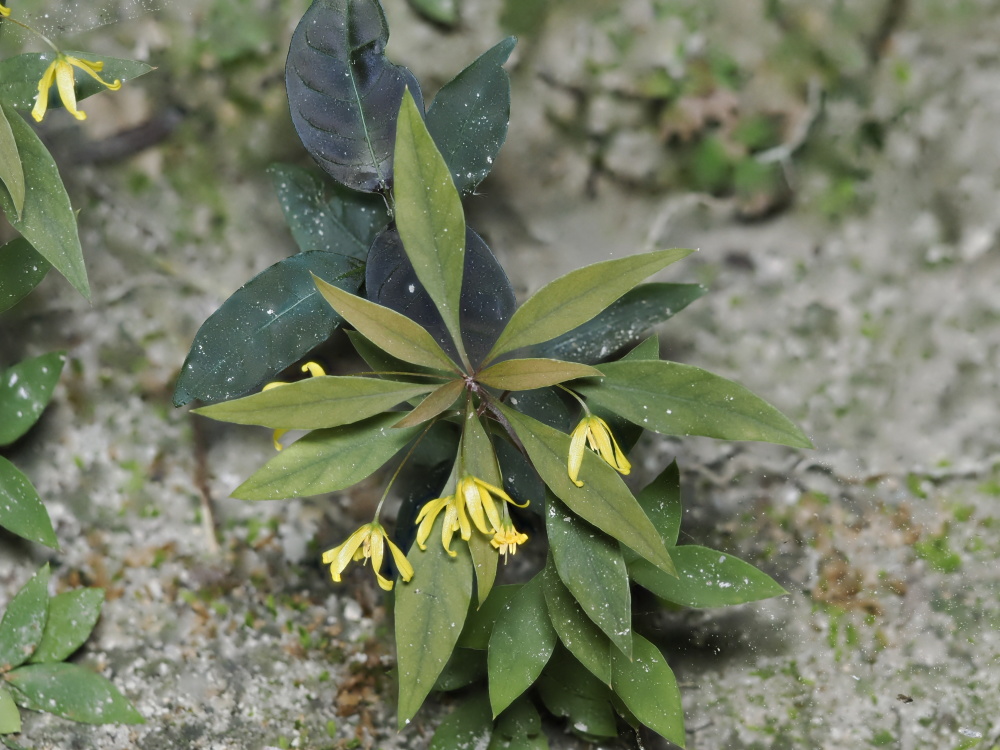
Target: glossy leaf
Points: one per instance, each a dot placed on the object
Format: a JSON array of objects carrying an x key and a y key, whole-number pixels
[
  {"x": 577, "y": 297},
  {"x": 706, "y": 578},
  {"x": 10, "y": 717},
  {"x": 468, "y": 726},
  {"x": 395, "y": 333},
  {"x": 11, "y": 172},
  {"x": 578, "y": 633},
  {"x": 266, "y": 325},
  {"x": 677, "y": 399},
  {"x": 444, "y": 12},
  {"x": 520, "y": 645},
  {"x": 648, "y": 349},
  {"x": 528, "y": 374},
  {"x": 622, "y": 324},
  {"x": 328, "y": 460},
  {"x": 469, "y": 115},
  {"x": 487, "y": 300},
  {"x": 316, "y": 403},
  {"x": 21, "y": 509},
  {"x": 344, "y": 94},
  {"x": 519, "y": 728},
  {"x": 568, "y": 689},
  {"x": 465, "y": 667},
  {"x": 429, "y": 217},
  {"x": 479, "y": 626},
  {"x": 346, "y": 223},
  {"x": 72, "y": 616},
  {"x": 20, "y": 74},
  {"x": 73, "y": 692},
  {"x": 590, "y": 564},
  {"x": 435, "y": 404},
  {"x": 661, "y": 499},
  {"x": 430, "y": 611},
  {"x": 647, "y": 687},
  {"x": 24, "y": 620},
  {"x": 21, "y": 270},
  {"x": 479, "y": 460},
  {"x": 47, "y": 221},
  {"x": 25, "y": 391},
  {"x": 603, "y": 501}
]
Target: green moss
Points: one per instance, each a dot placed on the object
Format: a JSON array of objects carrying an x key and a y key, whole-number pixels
[{"x": 938, "y": 554}]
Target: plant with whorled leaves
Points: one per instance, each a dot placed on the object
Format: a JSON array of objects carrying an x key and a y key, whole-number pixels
[{"x": 481, "y": 398}]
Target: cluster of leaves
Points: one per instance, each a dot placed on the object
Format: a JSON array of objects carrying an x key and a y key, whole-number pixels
[
  {"x": 482, "y": 395},
  {"x": 37, "y": 634}
]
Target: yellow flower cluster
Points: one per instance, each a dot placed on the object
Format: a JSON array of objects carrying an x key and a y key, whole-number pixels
[
  {"x": 368, "y": 542},
  {"x": 60, "y": 71}
]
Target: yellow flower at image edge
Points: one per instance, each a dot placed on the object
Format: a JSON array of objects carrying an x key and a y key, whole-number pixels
[
  {"x": 4, "y": 11},
  {"x": 60, "y": 71},
  {"x": 595, "y": 431},
  {"x": 367, "y": 542}
]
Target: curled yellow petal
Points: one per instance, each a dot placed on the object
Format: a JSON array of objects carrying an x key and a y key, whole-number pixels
[
  {"x": 595, "y": 432},
  {"x": 42, "y": 98},
  {"x": 4, "y": 11}
]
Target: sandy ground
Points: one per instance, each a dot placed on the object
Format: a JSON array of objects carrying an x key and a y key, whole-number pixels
[{"x": 877, "y": 329}]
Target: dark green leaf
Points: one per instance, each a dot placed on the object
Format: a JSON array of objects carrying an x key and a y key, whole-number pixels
[
  {"x": 603, "y": 500},
  {"x": 73, "y": 692},
  {"x": 444, "y": 12},
  {"x": 316, "y": 403},
  {"x": 20, "y": 74},
  {"x": 590, "y": 564},
  {"x": 568, "y": 689},
  {"x": 623, "y": 323},
  {"x": 430, "y": 612},
  {"x": 328, "y": 460},
  {"x": 578, "y": 633},
  {"x": 529, "y": 374},
  {"x": 384, "y": 364},
  {"x": 24, "y": 621},
  {"x": 10, "y": 717},
  {"x": 520, "y": 645},
  {"x": 661, "y": 499},
  {"x": 677, "y": 399},
  {"x": 47, "y": 221},
  {"x": 72, "y": 615},
  {"x": 647, "y": 687},
  {"x": 469, "y": 115},
  {"x": 266, "y": 325},
  {"x": 575, "y": 298},
  {"x": 479, "y": 625},
  {"x": 21, "y": 509},
  {"x": 519, "y": 728},
  {"x": 435, "y": 404},
  {"x": 429, "y": 217},
  {"x": 545, "y": 405},
  {"x": 346, "y": 223},
  {"x": 465, "y": 667},
  {"x": 25, "y": 391},
  {"x": 648, "y": 349},
  {"x": 344, "y": 94},
  {"x": 21, "y": 270},
  {"x": 11, "y": 173},
  {"x": 479, "y": 460},
  {"x": 468, "y": 726},
  {"x": 706, "y": 578}
]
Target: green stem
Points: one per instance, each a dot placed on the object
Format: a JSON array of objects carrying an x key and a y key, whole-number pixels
[
  {"x": 11, "y": 19},
  {"x": 385, "y": 494}
]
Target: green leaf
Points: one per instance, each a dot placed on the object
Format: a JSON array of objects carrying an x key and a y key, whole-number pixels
[
  {"x": 25, "y": 391},
  {"x": 429, "y": 217},
  {"x": 266, "y": 325},
  {"x": 465, "y": 667},
  {"x": 661, "y": 499},
  {"x": 21, "y": 270},
  {"x": 21, "y": 509},
  {"x": 578, "y": 633},
  {"x": 520, "y": 645},
  {"x": 380, "y": 362},
  {"x": 72, "y": 692},
  {"x": 47, "y": 221},
  {"x": 435, "y": 404},
  {"x": 72, "y": 616},
  {"x": 11, "y": 172},
  {"x": 479, "y": 625},
  {"x": 469, "y": 115},
  {"x": 10, "y": 717},
  {"x": 519, "y": 728},
  {"x": 430, "y": 611},
  {"x": 444, "y": 12},
  {"x": 647, "y": 687},
  {"x": 468, "y": 726},
  {"x": 316, "y": 402},
  {"x": 620, "y": 325},
  {"x": 346, "y": 224},
  {"x": 24, "y": 621},
  {"x": 677, "y": 399},
  {"x": 575, "y": 298},
  {"x": 648, "y": 349},
  {"x": 20, "y": 74},
  {"x": 590, "y": 564},
  {"x": 603, "y": 500},
  {"x": 568, "y": 689},
  {"x": 344, "y": 94},
  {"x": 528, "y": 374},
  {"x": 479, "y": 460},
  {"x": 395, "y": 333},
  {"x": 328, "y": 460},
  {"x": 706, "y": 578}
]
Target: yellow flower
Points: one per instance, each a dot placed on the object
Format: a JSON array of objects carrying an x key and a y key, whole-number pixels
[
  {"x": 507, "y": 538},
  {"x": 473, "y": 498},
  {"x": 478, "y": 496},
  {"x": 596, "y": 432},
  {"x": 61, "y": 72},
  {"x": 4, "y": 11},
  {"x": 314, "y": 369},
  {"x": 367, "y": 542},
  {"x": 455, "y": 519}
]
